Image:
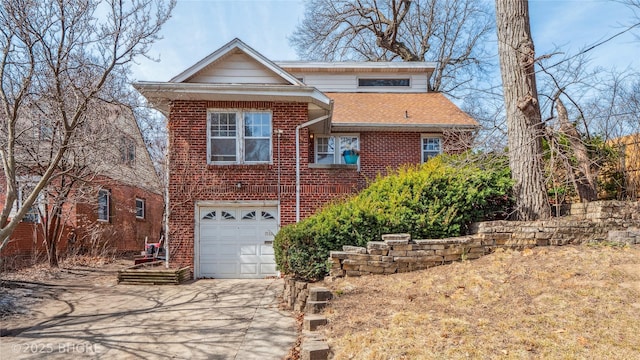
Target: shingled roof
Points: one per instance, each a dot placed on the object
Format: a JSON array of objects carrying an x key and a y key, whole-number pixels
[{"x": 401, "y": 110}]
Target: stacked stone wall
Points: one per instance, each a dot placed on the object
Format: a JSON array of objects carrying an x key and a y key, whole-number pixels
[{"x": 600, "y": 221}]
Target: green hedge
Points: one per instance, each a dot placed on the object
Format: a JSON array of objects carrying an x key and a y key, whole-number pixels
[{"x": 435, "y": 200}]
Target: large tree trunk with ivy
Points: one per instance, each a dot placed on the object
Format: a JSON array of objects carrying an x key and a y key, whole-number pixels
[{"x": 524, "y": 124}]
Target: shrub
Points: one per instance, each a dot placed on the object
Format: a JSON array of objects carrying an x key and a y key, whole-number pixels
[{"x": 438, "y": 199}]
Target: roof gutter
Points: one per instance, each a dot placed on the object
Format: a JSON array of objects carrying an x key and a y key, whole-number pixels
[
  {"x": 403, "y": 128},
  {"x": 160, "y": 94},
  {"x": 308, "y": 123}
]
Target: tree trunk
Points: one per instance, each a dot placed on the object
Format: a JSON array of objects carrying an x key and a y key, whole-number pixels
[
  {"x": 524, "y": 124},
  {"x": 52, "y": 235},
  {"x": 584, "y": 180}
]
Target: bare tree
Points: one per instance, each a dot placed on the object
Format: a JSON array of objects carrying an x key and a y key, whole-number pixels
[
  {"x": 65, "y": 57},
  {"x": 524, "y": 123},
  {"x": 450, "y": 32}
]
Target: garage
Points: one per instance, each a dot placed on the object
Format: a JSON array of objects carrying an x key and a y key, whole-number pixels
[{"x": 236, "y": 242}]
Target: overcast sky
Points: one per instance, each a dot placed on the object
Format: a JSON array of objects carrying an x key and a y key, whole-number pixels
[{"x": 199, "y": 27}]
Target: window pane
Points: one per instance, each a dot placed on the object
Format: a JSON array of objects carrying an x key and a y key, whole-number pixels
[
  {"x": 347, "y": 143},
  {"x": 223, "y": 129},
  {"x": 223, "y": 124},
  {"x": 256, "y": 149},
  {"x": 103, "y": 205},
  {"x": 325, "y": 150},
  {"x": 257, "y": 134},
  {"x": 430, "y": 148},
  {"x": 140, "y": 208},
  {"x": 223, "y": 149},
  {"x": 325, "y": 159},
  {"x": 127, "y": 150},
  {"x": 383, "y": 82},
  {"x": 24, "y": 190}
]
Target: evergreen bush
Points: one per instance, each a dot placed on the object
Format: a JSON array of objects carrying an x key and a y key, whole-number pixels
[{"x": 438, "y": 199}]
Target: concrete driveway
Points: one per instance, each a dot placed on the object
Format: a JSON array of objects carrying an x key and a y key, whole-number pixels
[{"x": 206, "y": 319}]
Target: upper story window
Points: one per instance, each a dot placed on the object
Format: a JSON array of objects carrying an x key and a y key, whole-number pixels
[
  {"x": 431, "y": 147},
  {"x": 104, "y": 205},
  {"x": 237, "y": 137},
  {"x": 45, "y": 130},
  {"x": 329, "y": 149},
  {"x": 404, "y": 82},
  {"x": 127, "y": 150}
]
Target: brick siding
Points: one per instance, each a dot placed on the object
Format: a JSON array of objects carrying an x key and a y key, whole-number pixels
[
  {"x": 191, "y": 179},
  {"x": 123, "y": 233}
]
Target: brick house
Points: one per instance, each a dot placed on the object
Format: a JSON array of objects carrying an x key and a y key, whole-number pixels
[
  {"x": 255, "y": 145},
  {"x": 120, "y": 205}
]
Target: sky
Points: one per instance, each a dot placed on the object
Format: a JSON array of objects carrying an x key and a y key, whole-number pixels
[{"x": 199, "y": 27}]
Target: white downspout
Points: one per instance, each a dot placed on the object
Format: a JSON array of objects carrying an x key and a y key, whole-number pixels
[{"x": 308, "y": 123}]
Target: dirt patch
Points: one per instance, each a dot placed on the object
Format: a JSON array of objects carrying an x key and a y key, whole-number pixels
[{"x": 550, "y": 302}]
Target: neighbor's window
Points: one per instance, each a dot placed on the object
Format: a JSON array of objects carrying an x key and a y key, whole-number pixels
[
  {"x": 246, "y": 141},
  {"x": 140, "y": 208},
  {"x": 329, "y": 149},
  {"x": 25, "y": 188},
  {"x": 384, "y": 82},
  {"x": 127, "y": 150},
  {"x": 45, "y": 130},
  {"x": 104, "y": 202},
  {"x": 431, "y": 146}
]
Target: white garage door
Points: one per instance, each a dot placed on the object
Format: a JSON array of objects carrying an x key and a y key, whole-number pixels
[{"x": 237, "y": 242}]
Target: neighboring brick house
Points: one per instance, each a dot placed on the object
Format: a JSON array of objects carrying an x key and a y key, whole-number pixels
[
  {"x": 629, "y": 147},
  {"x": 120, "y": 207},
  {"x": 255, "y": 145}
]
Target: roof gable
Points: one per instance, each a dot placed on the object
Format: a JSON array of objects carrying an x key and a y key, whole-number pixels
[{"x": 236, "y": 63}]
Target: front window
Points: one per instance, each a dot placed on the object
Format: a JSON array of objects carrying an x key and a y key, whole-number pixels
[
  {"x": 331, "y": 149},
  {"x": 431, "y": 147},
  {"x": 240, "y": 143},
  {"x": 104, "y": 200}
]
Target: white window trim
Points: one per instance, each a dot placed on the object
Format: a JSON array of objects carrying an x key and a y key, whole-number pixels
[
  {"x": 108, "y": 192},
  {"x": 239, "y": 137},
  {"x": 429, "y": 136},
  {"x": 337, "y": 155},
  {"x": 23, "y": 182},
  {"x": 144, "y": 212}
]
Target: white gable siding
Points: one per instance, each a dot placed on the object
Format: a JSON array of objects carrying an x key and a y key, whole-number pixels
[
  {"x": 337, "y": 82},
  {"x": 237, "y": 68}
]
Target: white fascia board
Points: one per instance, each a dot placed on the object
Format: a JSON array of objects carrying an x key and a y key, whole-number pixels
[
  {"x": 176, "y": 91},
  {"x": 358, "y": 65},
  {"x": 225, "y": 49}
]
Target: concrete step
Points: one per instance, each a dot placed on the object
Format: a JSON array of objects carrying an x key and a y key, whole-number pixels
[
  {"x": 312, "y": 322},
  {"x": 320, "y": 294},
  {"x": 314, "y": 350},
  {"x": 315, "y": 307}
]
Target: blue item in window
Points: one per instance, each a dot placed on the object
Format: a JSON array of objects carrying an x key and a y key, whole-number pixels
[{"x": 350, "y": 156}]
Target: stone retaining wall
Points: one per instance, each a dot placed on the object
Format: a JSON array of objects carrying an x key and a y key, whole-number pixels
[
  {"x": 599, "y": 221},
  {"x": 295, "y": 294}
]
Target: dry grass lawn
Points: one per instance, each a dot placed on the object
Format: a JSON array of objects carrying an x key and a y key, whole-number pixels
[{"x": 573, "y": 302}]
